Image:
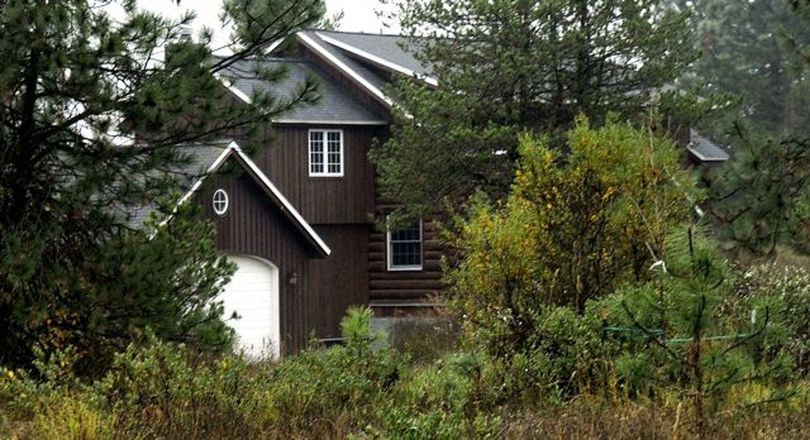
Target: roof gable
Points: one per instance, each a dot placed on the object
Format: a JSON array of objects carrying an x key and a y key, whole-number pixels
[
  {"x": 337, "y": 104},
  {"x": 233, "y": 152},
  {"x": 386, "y": 51}
]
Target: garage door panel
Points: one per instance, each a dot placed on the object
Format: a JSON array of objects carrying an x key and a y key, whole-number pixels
[{"x": 253, "y": 294}]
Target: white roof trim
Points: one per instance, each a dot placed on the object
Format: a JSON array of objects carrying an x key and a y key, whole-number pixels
[
  {"x": 705, "y": 158},
  {"x": 214, "y": 166},
  {"x": 286, "y": 205},
  {"x": 232, "y": 88},
  {"x": 377, "y": 60},
  {"x": 327, "y": 122},
  {"x": 310, "y": 43},
  {"x": 273, "y": 46}
]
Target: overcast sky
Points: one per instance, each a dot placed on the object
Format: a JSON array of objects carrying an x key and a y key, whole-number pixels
[{"x": 359, "y": 15}]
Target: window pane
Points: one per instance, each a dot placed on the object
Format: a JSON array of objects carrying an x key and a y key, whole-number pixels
[
  {"x": 406, "y": 247},
  {"x": 316, "y": 165},
  {"x": 406, "y": 254},
  {"x": 410, "y": 233},
  {"x": 333, "y": 152}
]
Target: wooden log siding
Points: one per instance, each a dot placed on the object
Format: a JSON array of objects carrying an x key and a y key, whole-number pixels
[
  {"x": 392, "y": 292},
  {"x": 253, "y": 225},
  {"x": 322, "y": 200}
]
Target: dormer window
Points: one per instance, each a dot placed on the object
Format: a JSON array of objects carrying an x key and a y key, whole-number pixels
[{"x": 326, "y": 153}]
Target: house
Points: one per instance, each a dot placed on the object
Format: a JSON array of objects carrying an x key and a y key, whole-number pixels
[{"x": 298, "y": 217}]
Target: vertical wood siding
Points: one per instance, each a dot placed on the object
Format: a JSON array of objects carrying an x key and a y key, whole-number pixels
[
  {"x": 253, "y": 225},
  {"x": 340, "y": 280},
  {"x": 322, "y": 200}
]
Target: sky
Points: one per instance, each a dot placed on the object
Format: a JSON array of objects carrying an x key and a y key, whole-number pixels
[{"x": 359, "y": 15}]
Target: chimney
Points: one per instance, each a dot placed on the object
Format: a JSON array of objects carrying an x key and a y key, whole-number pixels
[{"x": 186, "y": 32}]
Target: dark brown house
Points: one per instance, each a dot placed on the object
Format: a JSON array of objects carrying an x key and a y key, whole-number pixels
[{"x": 298, "y": 216}]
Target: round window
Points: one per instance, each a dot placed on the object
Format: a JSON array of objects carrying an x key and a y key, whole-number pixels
[{"x": 220, "y": 201}]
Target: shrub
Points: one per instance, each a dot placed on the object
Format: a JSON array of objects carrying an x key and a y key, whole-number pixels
[
  {"x": 786, "y": 289},
  {"x": 442, "y": 401},
  {"x": 573, "y": 228}
]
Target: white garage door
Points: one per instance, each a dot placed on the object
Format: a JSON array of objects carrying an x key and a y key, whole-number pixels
[{"x": 253, "y": 295}]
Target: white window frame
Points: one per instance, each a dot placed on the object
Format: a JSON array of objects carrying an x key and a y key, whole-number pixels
[
  {"x": 390, "y": 254},
  {"x": 325, "y": 153},
  {"x": 214, "y": 202}
]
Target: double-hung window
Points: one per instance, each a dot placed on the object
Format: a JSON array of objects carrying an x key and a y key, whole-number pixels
[
  {"x": 405, "y": 248},
  {"x": 326, "y": 153}
]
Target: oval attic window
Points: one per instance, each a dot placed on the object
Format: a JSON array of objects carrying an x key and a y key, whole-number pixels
[{"x": 220, "y": 202}]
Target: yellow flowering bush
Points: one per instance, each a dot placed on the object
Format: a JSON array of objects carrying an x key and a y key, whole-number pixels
[{"x": 574, "y": 227}]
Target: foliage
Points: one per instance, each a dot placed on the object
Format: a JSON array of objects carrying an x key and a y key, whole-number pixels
[
  {"x": 572, "y": 229},
  {"x": 760, "y": 199},
  {"x": 752, "y": 49},
  {"x": 97, "y": 117},
  {"x": 164, "y": 390},
  {"x": 756, "y": 50},
  {"x": 506, "y": 67},
  {"x": 788, "y": 288},
  {"x": 684, "y": 339}
]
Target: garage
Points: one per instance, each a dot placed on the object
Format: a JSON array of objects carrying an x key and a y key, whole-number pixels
[{"x": 253, "y": 294}]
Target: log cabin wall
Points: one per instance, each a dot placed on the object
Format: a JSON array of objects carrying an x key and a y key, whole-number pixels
[
  {"x": 399, "y": 292},
  {"x": 253, "y": 225}
]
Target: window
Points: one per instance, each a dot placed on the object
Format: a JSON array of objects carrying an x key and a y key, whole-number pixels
[
  {"x": 220, "y": 202},
  {"x": 326, "y": 153},
  {"x": 405, "y": 248}
]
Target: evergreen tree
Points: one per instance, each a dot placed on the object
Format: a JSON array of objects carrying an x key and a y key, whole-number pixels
[
  {"x": 508, "y": 66},
  {"x": 757, "y": 51},
  {"x": 749, "y": 49},
  {"x": 92, "y": 114}
]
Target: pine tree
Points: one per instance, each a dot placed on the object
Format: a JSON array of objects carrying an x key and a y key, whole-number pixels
[
  {"x": 756, "y": 50},
  {"x": 93, "y": 112},
  {"x": 504, "y": 67}
]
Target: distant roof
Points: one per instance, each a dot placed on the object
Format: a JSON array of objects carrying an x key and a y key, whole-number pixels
[
  {"x": 704, "y": 149},
  {"x": 337, "y": 104}
]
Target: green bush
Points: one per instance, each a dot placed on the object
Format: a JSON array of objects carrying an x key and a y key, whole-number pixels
[
  {"x": 785, "y": 290},
  {"x": 442, "y": 401}
]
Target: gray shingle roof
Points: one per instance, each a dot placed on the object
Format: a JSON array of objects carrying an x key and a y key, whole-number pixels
[
  {"x": 200, "y": 158},
  {"x": 367, "y": 74},
  {"x": 337, "y": 103},
  {"x": 704, "y": 149},
  {"x": 396, "y": 49}
]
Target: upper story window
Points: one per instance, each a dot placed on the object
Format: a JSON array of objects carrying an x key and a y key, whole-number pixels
[
  {"x": 326, "y": 153},
  {"x": 405, "y": 248}
]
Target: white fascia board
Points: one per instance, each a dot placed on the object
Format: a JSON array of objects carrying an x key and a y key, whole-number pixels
[
  {"x": 284, "y": 202},
  {"x": 704, "y": 158},
  {"x": 313, "y": 45},
  {"x": 273, "y": 46},
  {"x": 233, "y": 147},
  {"x": 197, "y": 184},
  {"x": 232, "y": 88},
  {"x": 379, "y": 61}
]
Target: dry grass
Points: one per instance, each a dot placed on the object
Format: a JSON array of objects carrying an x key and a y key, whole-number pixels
[{"x": 592, "y": 418}]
